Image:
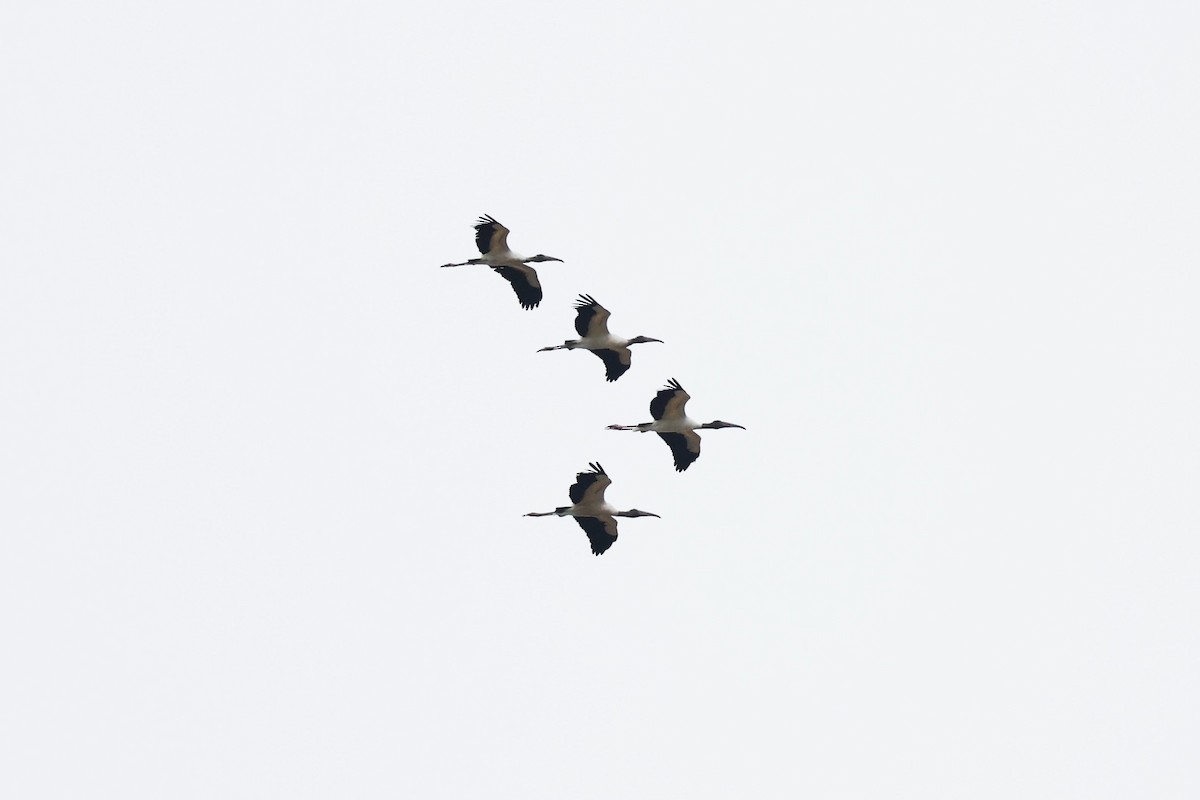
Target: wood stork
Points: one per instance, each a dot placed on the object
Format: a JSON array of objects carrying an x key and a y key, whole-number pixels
[
  {"x": 673, "y": 425},
  {"x": 594, "y": 515},
  {"x": 492, "y": 240},
  {"x": 591, "y": 320}
]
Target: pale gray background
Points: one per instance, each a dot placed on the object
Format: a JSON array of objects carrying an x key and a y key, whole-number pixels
[{"x": 264, "y": 464}]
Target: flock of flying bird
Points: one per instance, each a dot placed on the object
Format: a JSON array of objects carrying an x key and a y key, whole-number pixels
[{"x": 595, "y": 516}]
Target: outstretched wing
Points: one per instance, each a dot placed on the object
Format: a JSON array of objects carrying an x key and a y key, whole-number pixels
[
  {"x": 591, "y": 318},
  {"x": 589, "y": 486},
  {"x": 490, "y": 235},
  {"x": 669, "y": 402},
  {"x": 616, "y": 362},
  {"x": 685, "y": 447},
  {"x": 601, "y": 532},
  {"x": 524, "y": 282}
]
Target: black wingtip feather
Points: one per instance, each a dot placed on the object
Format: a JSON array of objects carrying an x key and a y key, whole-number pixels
[
  {"x": 598, "y": 537},
  {"x": 528, "y": 295},
  {"x": 613, "y": 368},
  {"x": 682, "y": 456}
]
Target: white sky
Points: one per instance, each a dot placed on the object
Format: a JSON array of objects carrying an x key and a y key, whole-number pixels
[{"x": 264, "y": 465}]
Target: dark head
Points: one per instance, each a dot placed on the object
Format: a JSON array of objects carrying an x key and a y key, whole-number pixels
[
  {"x": 633, "y": 512},
  {"x": 642, "y": 340},
  {"x": 539, "y": 257},
  {"x": 716, "y": 423}
]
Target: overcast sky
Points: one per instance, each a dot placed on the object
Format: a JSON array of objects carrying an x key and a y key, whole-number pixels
[{"x": 264, "y": 465}]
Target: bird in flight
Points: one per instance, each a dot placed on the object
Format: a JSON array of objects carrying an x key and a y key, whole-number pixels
[
  {"x": 492, "y": 240},
  {"x": 588, "y": 507},
  {"x": 673, "y": 425},
  {"x": 591, "y": 321}
]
